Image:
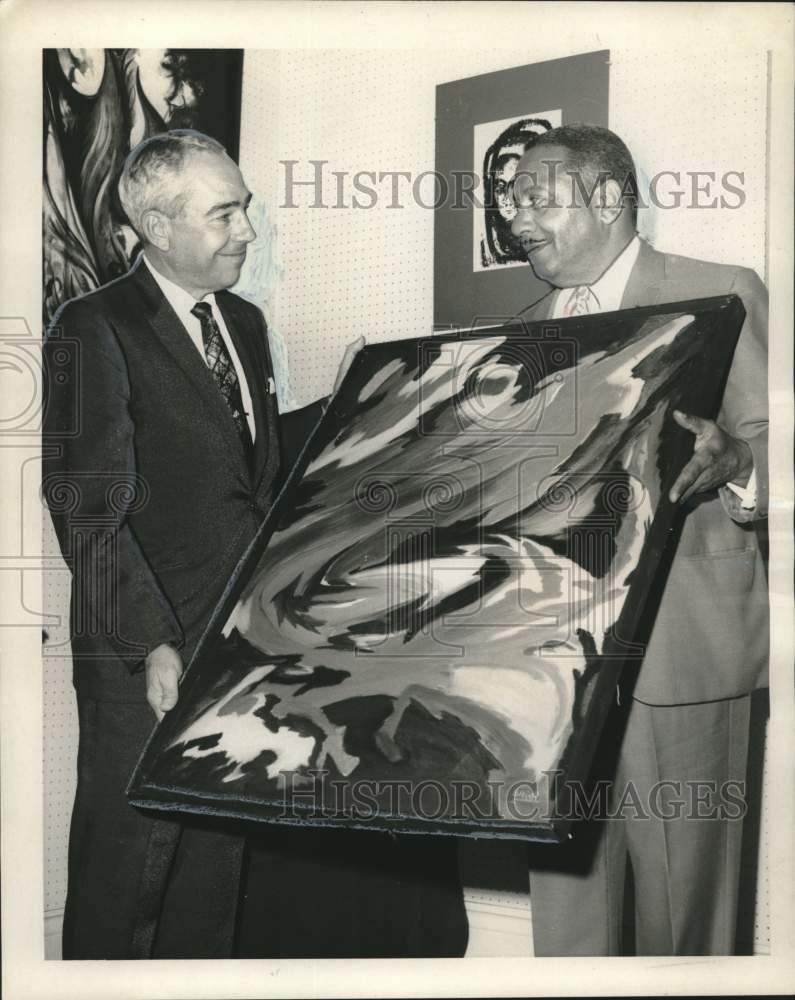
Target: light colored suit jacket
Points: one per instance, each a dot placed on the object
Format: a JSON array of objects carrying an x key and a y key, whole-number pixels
[{"x": 710, "y": 635}]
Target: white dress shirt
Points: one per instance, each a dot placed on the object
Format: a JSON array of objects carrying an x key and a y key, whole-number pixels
[
  {"x": 182, "y": 302},
  {"x": 607, "y": 293},
  {"x": 609, "y": 289}
]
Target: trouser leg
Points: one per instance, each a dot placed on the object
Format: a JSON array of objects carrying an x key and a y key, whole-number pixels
[
  {"x": 199, "y": 908},
  {"x": 577, "y": 895},
  {"x": 139, "y": 883},
  {"x": 108, "y": 838},
  {"x": 331, "y": 893},
  {"x": 577, "y": 888},
  {"x": 683, "y": 761},
  {"x": 685, "y": 868}
]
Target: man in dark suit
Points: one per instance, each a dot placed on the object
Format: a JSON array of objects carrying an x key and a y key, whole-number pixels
[
  {"x": 685, "y": 727},
  {"x": 164, "y": 453}
]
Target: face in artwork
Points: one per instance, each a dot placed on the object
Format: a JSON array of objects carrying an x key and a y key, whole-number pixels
[
  {"x": 169, "y": 85},
  {"x": 563, "y": 233},
  {"x": 204, "y": 242},
  {"x": 503, "y": 186}
]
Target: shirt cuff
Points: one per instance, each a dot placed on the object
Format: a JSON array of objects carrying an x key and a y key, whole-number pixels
[{"x": 747, "y": 493}]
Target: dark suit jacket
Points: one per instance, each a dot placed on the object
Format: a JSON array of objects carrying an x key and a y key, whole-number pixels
[
  {"x": 151, "y": 493},
  {"x": 710, "y": 635}
]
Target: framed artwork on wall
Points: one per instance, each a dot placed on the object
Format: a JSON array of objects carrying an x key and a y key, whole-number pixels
[
  {"x": 98, "y": 105},
  {"x": 482, "y": 125}
]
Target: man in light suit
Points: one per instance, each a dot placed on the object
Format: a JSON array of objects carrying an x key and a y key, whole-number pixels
[
  {"x": 687, "y": 719},
  {"x": 164, "y": 451}
]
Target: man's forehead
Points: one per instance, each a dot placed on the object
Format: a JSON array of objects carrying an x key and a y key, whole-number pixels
[
  {"x": 540, "y": 168},
  {"x": 209, "y": 164},
  {"x": 208, "y": 175}
]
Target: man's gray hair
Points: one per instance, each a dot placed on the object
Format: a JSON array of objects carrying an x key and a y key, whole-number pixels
[{"x": 149, "y": 177}]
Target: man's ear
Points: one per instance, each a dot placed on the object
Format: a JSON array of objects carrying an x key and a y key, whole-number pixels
[
  {"x": 156, "y": 229},
  {"x": 610, "y": 201}
]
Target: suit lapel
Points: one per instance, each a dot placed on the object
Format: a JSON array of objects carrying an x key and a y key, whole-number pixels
[
  {"x": 176, "y": 340},
  {"x": 646, "y": 280},
  {"x": 540, "y": 309}
]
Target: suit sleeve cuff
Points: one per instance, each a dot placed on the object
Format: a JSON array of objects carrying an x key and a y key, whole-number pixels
[
  {"x": 175, "y": 639},
  {"x": 747, "y": 493},
  {"x": 740, "y": 502}
]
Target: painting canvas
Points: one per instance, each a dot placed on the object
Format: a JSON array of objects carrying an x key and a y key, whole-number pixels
[
  {"x": 98, "y": 105},
  {"x": 427, "y": 631}
]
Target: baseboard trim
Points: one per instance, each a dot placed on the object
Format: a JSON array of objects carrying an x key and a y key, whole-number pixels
[
  {"x": 499, "y": 927},
  {"x": 53, "y": 926}
]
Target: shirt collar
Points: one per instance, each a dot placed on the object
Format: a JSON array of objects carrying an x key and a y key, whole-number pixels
[{"x": 180, "y": 301}]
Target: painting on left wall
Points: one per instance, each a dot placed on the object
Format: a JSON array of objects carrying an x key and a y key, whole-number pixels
[{"x": 98, "y": 105}]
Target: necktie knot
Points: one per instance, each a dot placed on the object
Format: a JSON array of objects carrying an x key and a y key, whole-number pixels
[
  {"x": 581, "y": 301},
  {"x": 202, "y": 310}
]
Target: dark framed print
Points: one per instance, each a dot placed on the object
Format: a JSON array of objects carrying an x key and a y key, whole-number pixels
[
  {"x": 482, "y": 125},
  {"x": 98, "y": 105}
]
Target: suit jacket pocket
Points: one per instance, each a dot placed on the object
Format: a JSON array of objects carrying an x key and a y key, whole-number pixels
[{"x": 710, "y": 636}]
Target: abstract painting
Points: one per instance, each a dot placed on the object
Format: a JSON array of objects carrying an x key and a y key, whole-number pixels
[
  {"x": 427, "y": 631},
  {"x": 98, "y": 105}
]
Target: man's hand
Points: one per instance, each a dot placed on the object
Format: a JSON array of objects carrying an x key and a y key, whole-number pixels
[
  {"x": 718, "y": 458},
  {"x": 163, "y": 671},
  {"x": 347, "y": 360}
]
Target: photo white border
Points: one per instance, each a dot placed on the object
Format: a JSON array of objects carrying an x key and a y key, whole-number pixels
[{"x": 27, "y": 26}]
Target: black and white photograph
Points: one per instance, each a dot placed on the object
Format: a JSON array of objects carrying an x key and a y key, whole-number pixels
[{"x": 397, "y": 439}]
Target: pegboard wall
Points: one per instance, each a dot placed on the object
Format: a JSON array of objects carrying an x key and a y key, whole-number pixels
[
  {"x": 59, "y": 722},
  {"x": 705, "y": 116},
  {"x": 325, "y": 272},
  {"x": 346, "y": 271}
]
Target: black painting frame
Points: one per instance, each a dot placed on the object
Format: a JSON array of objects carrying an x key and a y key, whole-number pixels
[{"x": 719, "y": 322}]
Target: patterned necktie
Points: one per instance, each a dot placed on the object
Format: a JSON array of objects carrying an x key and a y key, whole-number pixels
[
  {"x": 222, "y": 369},
  {"x": 581, "y": 302}
]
